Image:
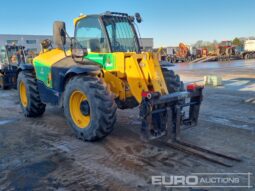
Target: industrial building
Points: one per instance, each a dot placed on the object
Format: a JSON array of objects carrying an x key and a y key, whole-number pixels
[{"x": 32, "y": 42}]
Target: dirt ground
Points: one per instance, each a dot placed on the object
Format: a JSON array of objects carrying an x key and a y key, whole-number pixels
[{"x": 43, "y": 154}]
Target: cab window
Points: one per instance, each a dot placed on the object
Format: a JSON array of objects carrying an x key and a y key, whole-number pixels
[
  {"x": 2, "y": 56},
  {"x": 90, "y": 35}
]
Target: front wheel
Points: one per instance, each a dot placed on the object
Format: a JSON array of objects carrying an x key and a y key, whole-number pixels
[
  {"x": 173, "y": 82},
  {"x": 89, "y": 108}
]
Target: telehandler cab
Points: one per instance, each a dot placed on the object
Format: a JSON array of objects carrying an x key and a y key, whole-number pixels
[
  {"x": 11, "y": 56},
  {"x": 105, "y": 69}
]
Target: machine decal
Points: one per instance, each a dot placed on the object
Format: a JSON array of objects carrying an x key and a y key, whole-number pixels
[
  {"x": 43, "y": 73},
  {"x": 105, "y": 60}
]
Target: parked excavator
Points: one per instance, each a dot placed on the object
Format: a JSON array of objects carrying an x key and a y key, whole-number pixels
[
  {"x": 182, "y": 53},
  {"x": 105, "y": 70}
]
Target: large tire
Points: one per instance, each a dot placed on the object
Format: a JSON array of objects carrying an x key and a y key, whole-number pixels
[
  {"x": 247, "y": 56},
  {"x": 173, "y": 82},
  {"x": 93, "y": 116},
  {"x": 29, "y": 97},
  {"x": 2, "y": 86}
]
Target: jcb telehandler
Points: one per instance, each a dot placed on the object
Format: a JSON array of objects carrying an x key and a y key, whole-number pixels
[{"x": 106, "y": 69}]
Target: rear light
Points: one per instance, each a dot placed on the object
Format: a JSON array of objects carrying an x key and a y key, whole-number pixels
[
  {"x": 191, "y": 87},
  {"x": 146, "y": 95},
  {"x": 151, "y": 95}
]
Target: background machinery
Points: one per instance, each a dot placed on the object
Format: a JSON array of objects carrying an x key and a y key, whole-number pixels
[
  {"x": 248, "y": 51},
  {"x": 11, "y": 57},
  {"x": 162, "y": 54},
  {"x": 182, "y": 53},
  {"x": 201, "y": 52},
  {"x": 225, "y": 50}
]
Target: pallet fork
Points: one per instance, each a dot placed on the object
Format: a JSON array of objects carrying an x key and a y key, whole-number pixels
[{"x": 171, "y": 117}]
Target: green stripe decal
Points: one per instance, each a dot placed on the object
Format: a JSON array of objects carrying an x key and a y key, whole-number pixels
[
  {"x": 42, "y": 73},
  {"x": 107, "y": 61}
]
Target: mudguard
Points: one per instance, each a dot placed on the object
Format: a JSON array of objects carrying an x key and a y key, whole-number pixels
[
  {"x": 28, "y": 67},
  {"x": 85, "y": 69}
]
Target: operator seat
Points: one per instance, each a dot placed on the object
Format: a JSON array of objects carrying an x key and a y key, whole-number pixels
[{"x": 94, "y": 45}]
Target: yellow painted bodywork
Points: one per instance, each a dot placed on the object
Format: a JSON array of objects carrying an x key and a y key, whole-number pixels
[
  {"x": 116, "y": 85},
  {"x": 51, "y": 57},
  {"x": 144, "y": 74},
  {"x": 75, "y": 21},
  {"x": 44, "y": 61},
  {"x": 134, "y": 74}
]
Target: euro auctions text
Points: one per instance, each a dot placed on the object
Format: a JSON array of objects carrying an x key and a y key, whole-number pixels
[{"x": 200, "y": 180}]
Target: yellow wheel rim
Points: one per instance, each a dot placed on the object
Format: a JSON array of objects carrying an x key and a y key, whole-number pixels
[
  {"x": 23, "y": 94},
  {"x": 75, "y": 101}
]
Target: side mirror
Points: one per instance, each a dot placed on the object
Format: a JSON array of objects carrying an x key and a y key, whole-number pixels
[
  {"x": 138, "y": 17},
  {"x": 59, "y": 34},
  {"x": 78, "y": 52}
]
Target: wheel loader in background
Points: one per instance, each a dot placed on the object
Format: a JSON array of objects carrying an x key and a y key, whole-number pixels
[
  {"x": 11, "y": 56},
  {"x": 182, "y": 53}
]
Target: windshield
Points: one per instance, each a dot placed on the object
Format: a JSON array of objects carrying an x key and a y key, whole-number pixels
[
  {"x": 15, "y": 54},
  {"x": 90, "y": 35},
  {"x": 121, "y": 34}
]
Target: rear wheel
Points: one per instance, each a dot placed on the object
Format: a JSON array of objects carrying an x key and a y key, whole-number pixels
[
  {"x": 247, "y": 56},
  {"x": 29, "y": 95},
  {"x": 173, "y": 82},
  {"x": 89, "y": 108}
]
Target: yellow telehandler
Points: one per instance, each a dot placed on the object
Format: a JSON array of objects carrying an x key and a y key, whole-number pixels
[{"x": 103, "y": 70}]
